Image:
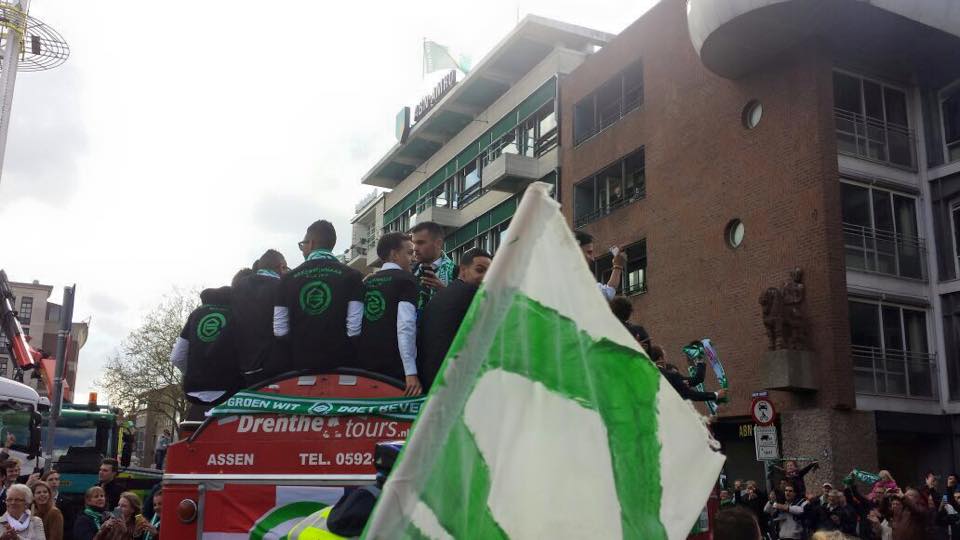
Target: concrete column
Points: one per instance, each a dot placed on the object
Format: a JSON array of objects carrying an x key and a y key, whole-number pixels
[{"x": 841, "y": 440}]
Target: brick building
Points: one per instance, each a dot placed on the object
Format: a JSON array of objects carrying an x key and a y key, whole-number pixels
[{"x": 781, "y": 134}]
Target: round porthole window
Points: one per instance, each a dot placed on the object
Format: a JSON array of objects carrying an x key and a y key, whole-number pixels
[
  {"x": 734, "y": 233},
  {"x": 752, "y": 113}
]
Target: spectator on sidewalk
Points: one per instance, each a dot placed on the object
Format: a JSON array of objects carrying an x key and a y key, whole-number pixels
[
  {"x": 786, "y": 517},
  {"x": 736, "y": 524},
  {"x": 836, "y": 515},
  {"x": 107, "y": 476},
  {"x": 160, "y": 454},
  {"x": 753, "y": 499},
  {"x": 909, "y": 515},
  {"x": 881, "y": 487},
  {"x": 45, "y": 509}
]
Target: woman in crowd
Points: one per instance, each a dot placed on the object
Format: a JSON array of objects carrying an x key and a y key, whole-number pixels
[
  {"x": 129, "y": 525},
  {"x": 47, "y": 511},
  {"x": 52, "y": 478},
  {"x": 17, "y": 523},
  {"x": 886, "y": 484},
  {"x": 91, "y": 520}
]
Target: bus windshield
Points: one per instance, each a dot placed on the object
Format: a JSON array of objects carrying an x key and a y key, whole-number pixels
[{"x": 81, "y": 433}]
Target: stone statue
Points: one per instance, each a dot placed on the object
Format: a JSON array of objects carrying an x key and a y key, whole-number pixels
[
  {"x": 794, "y": 321},
  {"x": 783, "y": 314},
  {"x": 771, "y": 302}
]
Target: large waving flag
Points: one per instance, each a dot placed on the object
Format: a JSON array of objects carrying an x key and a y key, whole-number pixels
[
  {"x": 437, "y": 57},
  {"x": 548, "y": 420}
]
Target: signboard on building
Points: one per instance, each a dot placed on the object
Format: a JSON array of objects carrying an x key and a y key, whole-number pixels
[
  {"x": 429, "y": 101},
  {"x": 403, "y": 125},
  {"x": 766, "y": 442}
]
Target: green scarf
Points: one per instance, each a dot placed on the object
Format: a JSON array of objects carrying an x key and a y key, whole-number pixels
[
  {"x": 321, "y": 254},
  {"x": 97, "y": 517}
]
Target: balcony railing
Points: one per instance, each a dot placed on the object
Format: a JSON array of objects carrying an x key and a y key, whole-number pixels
[
  {"x": 884, "y": 252},
  {"x": 889, "y": 372},
  {"x": 875, "y": 140},
  {"x": 631, "y": 195}
]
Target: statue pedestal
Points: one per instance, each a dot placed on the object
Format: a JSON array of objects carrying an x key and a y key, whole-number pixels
[{"x": 789, "y": 370}]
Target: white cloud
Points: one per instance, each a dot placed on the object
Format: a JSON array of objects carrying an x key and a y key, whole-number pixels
[{"x": 181, "y": 140}]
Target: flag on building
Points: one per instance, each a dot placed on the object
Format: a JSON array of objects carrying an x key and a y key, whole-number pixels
[
  {"x": 548, "y": 420},
  {"x": 437, "y": 57}
]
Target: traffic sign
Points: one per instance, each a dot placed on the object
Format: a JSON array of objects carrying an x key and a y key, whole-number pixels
[
  {"x": 762, "y": 411},
  {"x": 766, "y": 442}
]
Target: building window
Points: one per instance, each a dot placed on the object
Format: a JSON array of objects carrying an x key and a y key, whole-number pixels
[
  {"x": 950, "y": 109},
  {"x": 618, "y": 185},
  {"x": 26, "y": 310},
  {"x": 890, "y": 352},
  {"x": 634, "y": 280},
  {"x": 609, "y": 103},
  {"x": 880, "y": 231},
  {"x": 872, "y": 121}
]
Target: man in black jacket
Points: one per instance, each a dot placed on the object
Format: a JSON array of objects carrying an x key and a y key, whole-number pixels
[
  {"x": 210, "y": 373},
  {"x": 251, "y": 330},
  {"x": 443, "y": 314},
  {"x": 320, "y": 305},
  {"x": 388, "y": 337}
]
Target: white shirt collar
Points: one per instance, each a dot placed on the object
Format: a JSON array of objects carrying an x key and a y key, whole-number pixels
[{"x": 390, "y": 266}]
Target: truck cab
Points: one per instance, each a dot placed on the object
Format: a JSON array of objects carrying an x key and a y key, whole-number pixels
[{"x": 20, "y": 423}]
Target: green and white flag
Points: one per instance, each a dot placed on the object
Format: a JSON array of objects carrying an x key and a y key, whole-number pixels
[
  {"x": 547, "y": 419},
  {"x": 437, "y": 57}
]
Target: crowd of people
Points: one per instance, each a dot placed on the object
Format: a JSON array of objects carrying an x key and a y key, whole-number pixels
[
  {"x": 33, "y": 508},
  {"x": 322, "y": 315},
  {"x": 878, "y": 510}
]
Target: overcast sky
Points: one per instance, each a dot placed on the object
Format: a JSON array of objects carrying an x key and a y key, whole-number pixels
[{"x": 180, "y": 140}]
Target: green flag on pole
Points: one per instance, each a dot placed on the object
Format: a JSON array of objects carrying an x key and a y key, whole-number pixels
[
  {"x": 437, "y": 57},
  {"x": 547, "y": 419}
]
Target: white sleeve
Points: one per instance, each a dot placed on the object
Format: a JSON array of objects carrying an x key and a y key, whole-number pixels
[
  {"x": 178, "y": 356},
  {"x": 354, "y": 318},
  {"x": 281, "y": 321},
  {"x": 407, "y": 336},
  {"x": 607, "y": 291}
]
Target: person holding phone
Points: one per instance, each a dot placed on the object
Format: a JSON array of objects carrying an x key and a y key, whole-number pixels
[
  {"x": 17, "y": 523},
  {"x": 434, "y": 269},
  {"x": 125, "y": 521}
]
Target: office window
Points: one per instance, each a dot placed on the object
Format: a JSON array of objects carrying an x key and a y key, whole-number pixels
[
  {"x": 881, "y": 233},
  {"x": 609, "y": 103},
  {"x": 26, "y": 310},
  {"x": 950, "y": 109},
  {"x": 468, "y": 180},
  {"x": 871, "y": 120},
  {"x": 634, "y": 275},
  {"x": 890, "y": 350},
  {"x": 615, "y": 186}
]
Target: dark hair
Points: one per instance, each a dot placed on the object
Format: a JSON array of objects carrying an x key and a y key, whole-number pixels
[
  {"x": 656, "y": 352},
  {"x": 467, "y": 258},
  {"x": 621, "y": 308},
  {"x": 323, "y": 233},
  {"x": 583, "y": 238},
  {"x": 735, "y": 524},
  {"x": 390, "y": 242},
  {"x": 271, "y": 258},
  {"x": 434, "y": 229},
  {"x": 111, "y": 462},
  {"x": 242, "y": 273}
]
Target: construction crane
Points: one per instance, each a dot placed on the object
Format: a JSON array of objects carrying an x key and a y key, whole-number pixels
[{"x": 26, "y": 44}]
